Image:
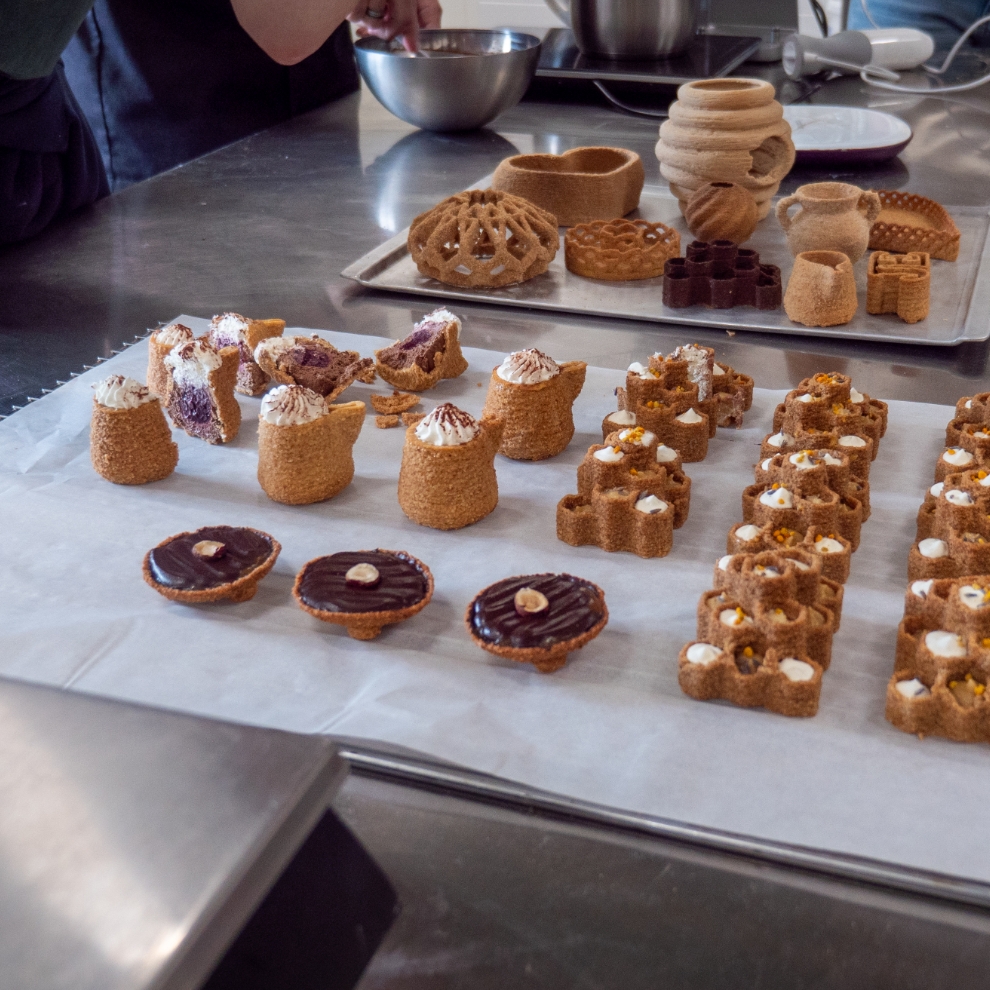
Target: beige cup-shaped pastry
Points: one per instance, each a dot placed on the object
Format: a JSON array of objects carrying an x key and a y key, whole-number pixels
[
  {"x": 534, "y": 396},
  {"x": 821, "y": 291},
  {"x": 160, "y": 343},
  {"x": 447, "y": 479},
  {"x": 130, "y": 441},
  {"x": 305, "y": 445},
  {"x": 834, "y": 216}
]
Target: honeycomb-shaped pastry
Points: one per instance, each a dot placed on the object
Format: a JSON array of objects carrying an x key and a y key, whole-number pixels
[
  {"x": 764, "y": 637},
  {"x": 833, "y": 548},
  {"x": 720, "y": 275},
  {"x": 620, "y": 250},
  {"x": 483, "y": 238},
  {"x": 627, "y": 499}
]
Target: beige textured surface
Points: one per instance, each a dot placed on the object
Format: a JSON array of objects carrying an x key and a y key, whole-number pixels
[
  {"x": 832, "y": 216},
  {"x": 821, "y": 291},
  {"x": 132, "y": 446}
]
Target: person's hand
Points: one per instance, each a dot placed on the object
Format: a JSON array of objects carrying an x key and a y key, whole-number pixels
[
  {"x": 430, "y": 13},
  {"x": 395, "y": 18}
]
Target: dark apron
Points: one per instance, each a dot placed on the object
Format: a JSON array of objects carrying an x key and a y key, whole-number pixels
[
  {"x": 49, "y": 161},
  {"x": 165, "y": 81}
]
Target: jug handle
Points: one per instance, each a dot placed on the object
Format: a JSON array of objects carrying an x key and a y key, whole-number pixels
[
  {"x": 783, "y": 206},
  {"x": 562, "y": 10},
  {"x": 871, "y": 201}
]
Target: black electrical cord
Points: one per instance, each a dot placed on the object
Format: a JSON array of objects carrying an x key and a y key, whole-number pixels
[{"x": 818, "y": 11}]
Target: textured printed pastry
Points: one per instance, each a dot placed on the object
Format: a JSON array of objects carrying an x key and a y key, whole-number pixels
[
  {"x": 233, "y": 330},
  {"x": 721, "y": 211},
  {"x": 364, "y": 590},
  {"x": 909, "y": 222},
  {"x": 200, "y": 397},
  {"x": 764, "y": 635},
  {"x": 632, "y": 495},
  {"x": 313, "y": 363},
  {"x": 620, "y": 250},
  {"x": 160, "y": 343},
  {"x": 130, "y": 442},
  {"x": 483, "y": 238},
  {"x": 721, "y": 275},
  {"x": 305, "y": 445},
  {"x": 899, "y": 283},
  {"x": 534, "y": 396},
  {"x": 211, "y": 564},
  {"x": 392, "y": 405},
  {"x": 431, "y": 352},
  {"x": 537, "y": 618},
  {"x": 447, "y": 479},
  {"x": 821, "y": 291},
  {"x": 953, "y": 535}
]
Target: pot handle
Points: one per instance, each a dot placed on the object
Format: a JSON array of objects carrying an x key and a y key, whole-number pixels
[
  {"x": 784, "y": 205},
  {"x": 870, "y": 200},
  {"x": 562, "y": 10}
]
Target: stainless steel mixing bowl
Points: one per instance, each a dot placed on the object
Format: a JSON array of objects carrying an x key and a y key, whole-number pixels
[{"x": 458, "y": 80}]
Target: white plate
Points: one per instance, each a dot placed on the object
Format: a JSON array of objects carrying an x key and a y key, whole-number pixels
[{"x": 834, "y": 134}]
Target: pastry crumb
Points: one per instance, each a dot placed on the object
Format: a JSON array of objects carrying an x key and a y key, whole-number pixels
[{"x": 386, "y": 422}]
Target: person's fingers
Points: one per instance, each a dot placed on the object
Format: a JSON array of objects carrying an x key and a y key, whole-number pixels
[
  {"x": 430, "y": 13},
  {"x": 403, "y": 21}
]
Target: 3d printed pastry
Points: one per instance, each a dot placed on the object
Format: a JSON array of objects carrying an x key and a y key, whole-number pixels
[
  {"x": 579, "y": 186},
  {"x": 313, "y": 363},
  {"x": 200, "y": 397},
  {"x": 160, "y": 343},
  {"x": 387, "y": 422},
  {"x": 627, "y": 499},
  {"x": 620, "y": 250},
  {"x": 364, "y": 590},
  {"x": 305, "y": 444},
  {"x": 764, "y": 636},
  {"x": 730, "y": 130},
  {"x": 129, "y": 441},
  {"x": 721, "y": 211},
  {"x": 483, "y": 238},
  {"x": 391, "y": 405},
  {"x": 233, "y": 330},
  {"x": 720, "y": 275},
  {"x": 537, "y": 618},
  {"x": 821, "y": 291},
  {"x": 211, "y": 564},
  {"x": 431, "y": 352},
  {"x": 899, "y": 283},
  {"x": 447, "y": 479},
  {"x": 908, "y": 222},
  {"x": 533, "y": 396},
  {"x": 942, "y": 664},
  {"x": 834, "y": 216}
]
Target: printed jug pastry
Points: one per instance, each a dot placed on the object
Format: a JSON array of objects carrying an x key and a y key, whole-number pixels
[{"x": 834, "y": 216}]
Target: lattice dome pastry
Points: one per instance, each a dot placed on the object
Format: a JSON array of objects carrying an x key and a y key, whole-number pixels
[
  {"x": 764, "y": 634},
  {"x": 483, "y": 238},
  {"x": 632, "y": 495},
  {"x": 682, "y": 398}
]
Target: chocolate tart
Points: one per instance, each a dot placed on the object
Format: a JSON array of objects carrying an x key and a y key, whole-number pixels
[
  {"x": 575, "y": 615},
  {"x": 403, "y": 588},
  {"x": 176, "y": 571}
]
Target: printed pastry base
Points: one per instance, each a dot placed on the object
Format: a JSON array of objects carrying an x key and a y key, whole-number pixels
[{"x": 960, "y": 290}]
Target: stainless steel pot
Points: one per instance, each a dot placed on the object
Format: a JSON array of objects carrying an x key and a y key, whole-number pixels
[{"x": 629, "y": 29}]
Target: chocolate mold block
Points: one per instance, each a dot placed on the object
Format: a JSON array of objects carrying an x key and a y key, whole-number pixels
[
  {"x": 626, "y": 499},
  {"x": 942, "y": 664},
  {"x": 764, "y": 638},
  {"x": 682, "y": 398},
  {"x": 899, "y": 283},
  {"x": 719, "y": 274}
]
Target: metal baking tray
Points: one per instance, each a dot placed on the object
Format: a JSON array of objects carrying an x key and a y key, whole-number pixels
[{"x": 960, "y": 304}]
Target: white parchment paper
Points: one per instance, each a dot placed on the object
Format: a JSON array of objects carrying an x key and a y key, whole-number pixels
[{"x": 612, "y": 727}]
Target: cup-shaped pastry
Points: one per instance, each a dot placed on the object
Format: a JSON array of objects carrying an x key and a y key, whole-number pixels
[
  {"x": 821, "y": 291},
  {"x": 534, "y": 396},
  {"x": 234, "y": 330},
  {"x": 447, "y": 479},
  {"x": 305, "y": 445},
  {"x": 200, "y": 396},
  {"x": 160, "y": 343},
  {"x": 130, "y": 442}
]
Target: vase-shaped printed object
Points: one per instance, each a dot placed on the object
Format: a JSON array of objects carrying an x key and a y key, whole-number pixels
[
  {"x": 726, "y": 130},
  {"x": 834, "y": 216},
  {"x": 821, "y": 291},
  {"x": 721, "y": 211}
]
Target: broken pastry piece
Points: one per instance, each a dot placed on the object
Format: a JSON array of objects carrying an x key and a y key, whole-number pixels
[
  {"x": 313, "y": 363},
  {"x": 200, "y": 398},
  {"x": 233, "y": 330},
  {"x": 534, "y": 396},
  {"x": 130, "y": 442},
  {"x": 211, "y": 564},
  {"x": 364, "y": 590},
  {"x": 537, "y": 618},
  {"x": 386, "y": 422},
  {"x": 305, "y": 445},
  {"x": 392, "y": 405},
  {"x": 160, "y": 343},
  {"x": 447, "y": 479},
  {"x": 431, "y": 352}
]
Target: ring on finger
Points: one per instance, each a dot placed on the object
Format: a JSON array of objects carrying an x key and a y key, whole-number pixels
[{"x": 375, "y": 15}]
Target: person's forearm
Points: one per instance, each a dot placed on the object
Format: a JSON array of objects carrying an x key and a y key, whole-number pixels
[{"x": 290, "y": 30}]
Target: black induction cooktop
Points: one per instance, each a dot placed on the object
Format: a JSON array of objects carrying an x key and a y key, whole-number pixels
[{"x": 709, "y": 55}]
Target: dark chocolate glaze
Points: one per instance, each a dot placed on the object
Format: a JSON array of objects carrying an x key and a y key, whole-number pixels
[
  {"x": 322, "y": 586},
  {"x": 420, "y": 347},
  {"x": 575, "y": 606},
  {"x": 174, "y": 564}
]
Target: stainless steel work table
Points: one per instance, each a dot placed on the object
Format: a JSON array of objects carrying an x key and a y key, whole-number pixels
[{"x": 500, "y": 887}]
